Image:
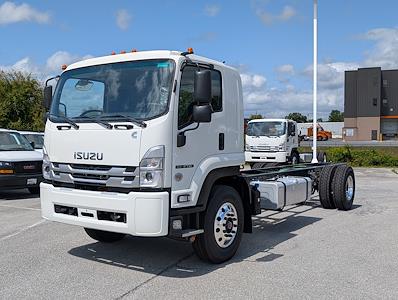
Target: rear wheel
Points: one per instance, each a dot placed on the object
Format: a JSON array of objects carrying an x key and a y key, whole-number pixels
[
  {"x": 104, "y": 236},
  {"x": 321, "y": 156},
  {"x": 343, "y": 187},
  {"x": 325, "y": 187},
  {"x": 34, "y": 190},
  {"x": 223, "y": 226}
]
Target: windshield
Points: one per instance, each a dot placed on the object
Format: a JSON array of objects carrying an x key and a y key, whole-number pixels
[
  {"x": 138, "y": 89},
  {"x": 266, "y": 129},
  {"x": 13, "y": 141},
  {"x": 38, "y": 139}
]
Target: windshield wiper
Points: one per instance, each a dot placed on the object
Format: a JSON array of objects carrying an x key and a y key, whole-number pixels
[
  {"x": 65, "y": 119},
  {"x": 140, "y": 123},
  {"x": 98, "y": 121}
]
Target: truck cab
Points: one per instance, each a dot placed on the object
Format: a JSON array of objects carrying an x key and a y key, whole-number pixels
[{"x": 271, "y": 141}]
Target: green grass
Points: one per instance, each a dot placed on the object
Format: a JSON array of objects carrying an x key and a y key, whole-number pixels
[{"x": 361, "y": 156}]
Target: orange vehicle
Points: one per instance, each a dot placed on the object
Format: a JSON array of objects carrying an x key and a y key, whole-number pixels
[{"x": 322, "y": 134}]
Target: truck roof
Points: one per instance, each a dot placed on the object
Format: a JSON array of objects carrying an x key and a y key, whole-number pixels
[
  {"x": 268, "y": 120},
  {"x": 142, "y": 55}
]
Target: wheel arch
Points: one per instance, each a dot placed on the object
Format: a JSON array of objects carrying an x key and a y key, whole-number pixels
[{"x": 230, "y": 177}]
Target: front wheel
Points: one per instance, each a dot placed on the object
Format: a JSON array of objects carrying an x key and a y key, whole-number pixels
[
  {"x": 104, "y": 236},
  {"x": 34, "y": 190},
  {"x": 223, "y": 226},
  {"x": 295, "y": 158}
]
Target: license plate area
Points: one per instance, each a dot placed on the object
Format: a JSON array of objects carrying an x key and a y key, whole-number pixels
[{"x": 31, "y": 181}]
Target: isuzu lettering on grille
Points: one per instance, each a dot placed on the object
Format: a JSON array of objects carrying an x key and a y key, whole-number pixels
[{"x": 88, "y": 155}]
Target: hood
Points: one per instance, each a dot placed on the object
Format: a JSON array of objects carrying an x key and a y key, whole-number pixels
[
  {"x": 93, "y": 144},
  {"x": 11, "y": 156}
]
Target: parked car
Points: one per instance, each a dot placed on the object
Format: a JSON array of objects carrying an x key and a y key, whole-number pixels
[
  {"x": 37, "y": 138},
  {"x": 20, "y": 164}
]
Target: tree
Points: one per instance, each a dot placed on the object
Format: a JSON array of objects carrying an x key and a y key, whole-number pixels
[
  {"x": 20, "y": 101},
  {"x": 296, "y": 116},
  {"x": 336, "y": 116},
  {"x": 255, "y": 116}
]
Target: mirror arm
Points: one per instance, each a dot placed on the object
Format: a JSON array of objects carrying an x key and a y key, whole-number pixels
[
  {"x": 51, "y": 78},
  {"x": 181, "y": 138}
]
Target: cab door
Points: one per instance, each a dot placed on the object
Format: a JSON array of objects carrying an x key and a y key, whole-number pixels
[{"x": 201, "y": 142}]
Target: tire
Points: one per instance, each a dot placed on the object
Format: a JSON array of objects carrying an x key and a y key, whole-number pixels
[
  {"x": 343, "y": 187},
  {"x": 325, "y": 187},
  {"x": 104, "y": 236},
  {"x": 321, "y": 156},
  {"x": 219, "y": 247},
  {"x": 34, "y": 190},
  {"x": 295, "y": 158},
  {"x": 258, "y": 165}
]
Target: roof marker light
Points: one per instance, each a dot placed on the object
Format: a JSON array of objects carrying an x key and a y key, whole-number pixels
[
  {"x": 113, "y": 53},
  {"x": 190, "y": 50},
  {"x": 63, "y": 67},
  {"x": 134, "y": 50},
  {"x": 122, "y": 52}
]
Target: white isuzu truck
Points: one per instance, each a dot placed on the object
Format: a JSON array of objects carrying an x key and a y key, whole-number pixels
[
  {"x": 150, "y": 144},
  {"x": 271, "y": 141}
]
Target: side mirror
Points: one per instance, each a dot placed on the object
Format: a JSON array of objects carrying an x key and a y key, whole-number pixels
[
  {"x": 32, "y": 144},
  {"x": 202, "y": 113},
  {"x": 293, "y": 130},
  {"x": 202, "y": 87},
  {"x": 47, "y": 96}
]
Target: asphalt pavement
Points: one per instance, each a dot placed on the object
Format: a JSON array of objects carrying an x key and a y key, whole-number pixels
[{"x": 303, "y": 252}]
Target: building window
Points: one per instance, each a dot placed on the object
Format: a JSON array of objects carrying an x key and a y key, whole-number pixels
[
  {"x": 374, "y": 101},
  {"x": 385, "y": 102},
  {"x": 385, "y": 83}
]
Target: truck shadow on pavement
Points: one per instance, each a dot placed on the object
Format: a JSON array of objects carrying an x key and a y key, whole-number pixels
[
  {"x": 19, "y": 194},
  {"x": 166, "y": 257}
]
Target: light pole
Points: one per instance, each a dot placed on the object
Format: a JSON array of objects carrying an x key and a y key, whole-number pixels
[{"x": 315, "y": 73}]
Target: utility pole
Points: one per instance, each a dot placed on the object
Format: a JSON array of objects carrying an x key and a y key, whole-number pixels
[{"x": 315, "y": 73}]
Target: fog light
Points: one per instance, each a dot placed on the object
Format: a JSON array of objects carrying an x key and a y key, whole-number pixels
[
  {"x": 177, "y": 224},
  {"x": 149, "y": 176}
]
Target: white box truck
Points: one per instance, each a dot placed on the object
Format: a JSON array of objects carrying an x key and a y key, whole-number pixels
[
  {"x": 271, "y": 141},
  {"x": 150, "y": 144}
]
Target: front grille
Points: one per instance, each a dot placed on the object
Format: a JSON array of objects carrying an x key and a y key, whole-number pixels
[
  {"x": 80, "y": 175},
  {"x": 263, "y": 148},
  {"x": 27, "y": 167}
]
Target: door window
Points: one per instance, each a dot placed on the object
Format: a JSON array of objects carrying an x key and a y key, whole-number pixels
[{"x": 186, "y": 101}]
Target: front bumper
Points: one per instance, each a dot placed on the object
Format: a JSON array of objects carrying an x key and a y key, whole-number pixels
[
  {"x": 280, "y": 157},
  {"x": 20, "y": 181},
  {"x": 147, "y": 213}
]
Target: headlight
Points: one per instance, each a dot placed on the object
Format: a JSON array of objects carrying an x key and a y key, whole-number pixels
[
  {"x": 6, "y": 167},
  {"x": 247, "y": 147},
  {"x": 151, "y": 168},
  {"x": 282, "y": 147},
  {"x": 5, "y": 164},
  {"x": 46, "y": 165}
]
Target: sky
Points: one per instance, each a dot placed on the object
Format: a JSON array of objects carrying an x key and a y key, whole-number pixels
[{"x": 268, "y": 41}]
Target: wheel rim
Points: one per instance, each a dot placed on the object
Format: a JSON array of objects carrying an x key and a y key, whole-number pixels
[
  {"x": 349, "y": 188},
  {"x": 225, "y": 225}
]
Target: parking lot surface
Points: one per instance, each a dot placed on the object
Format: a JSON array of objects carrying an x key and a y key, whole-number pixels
[{"x": 303, "y": 252}]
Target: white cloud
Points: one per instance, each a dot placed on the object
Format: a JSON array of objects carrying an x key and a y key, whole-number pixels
[
  {"x": 253, "y": 81},
  {"x": 384, "y": 53},
  {"x": 285, "y": 69},
  {"x": 51, "y": 67},
  {"x": 212, "y": 10},
  {"x": 123, "y": 19},
  {"x": 12, "y": 13},
  {"x": 268, "y": 18}
]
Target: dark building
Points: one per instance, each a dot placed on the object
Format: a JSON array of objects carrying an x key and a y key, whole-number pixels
[{"x": 371, "y": 105}]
